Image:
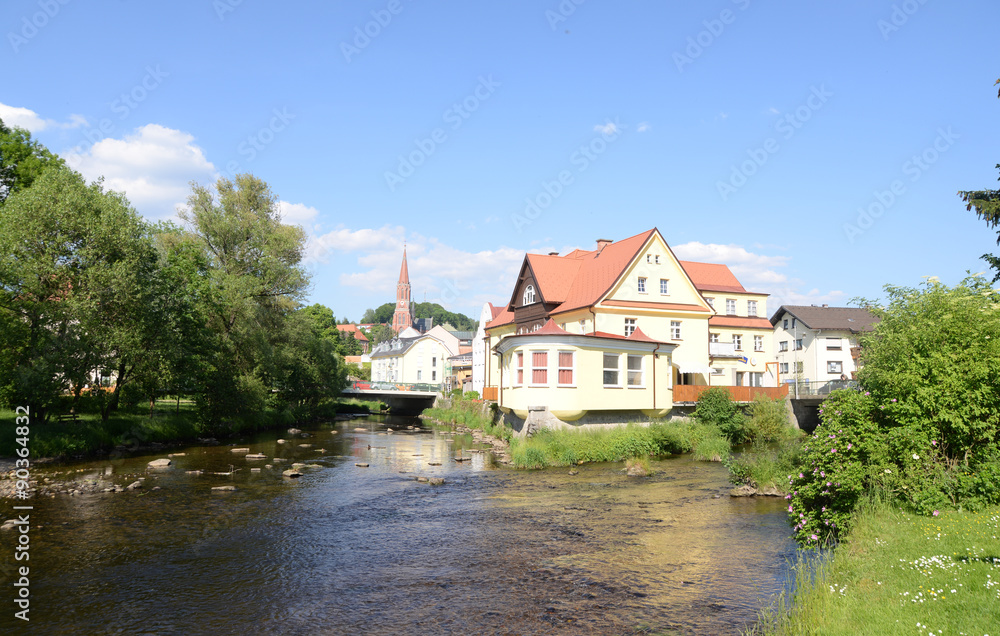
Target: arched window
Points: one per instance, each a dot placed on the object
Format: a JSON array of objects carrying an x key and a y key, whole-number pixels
[{"x": 529, "y": 295}]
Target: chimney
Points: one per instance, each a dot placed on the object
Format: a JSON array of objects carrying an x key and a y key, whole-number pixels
[
  {"x": 825, "y": 305},
  {"x": 601, "y": 244},
  {"x": 553, "y": 253}
]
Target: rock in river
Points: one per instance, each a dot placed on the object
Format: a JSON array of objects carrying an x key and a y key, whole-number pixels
[
  {"x": 223, "y": 488},
  {"x": 159, "y": 463},
  {"x": 291, "y": 474}
]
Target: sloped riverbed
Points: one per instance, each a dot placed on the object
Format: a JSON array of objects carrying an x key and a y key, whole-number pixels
[{"x": 350, "y": 549}]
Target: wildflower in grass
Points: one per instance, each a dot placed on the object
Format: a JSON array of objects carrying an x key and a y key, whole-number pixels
[
  {"x": 915, "y": 456},
  {"x": 935, "y": 513},
  {"x": 833, "y": 450},
  {"x": 933, "y": 442},
  {"x": 849, "y": 446}
]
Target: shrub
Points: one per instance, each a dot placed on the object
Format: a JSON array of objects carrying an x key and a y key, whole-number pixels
[
  {"x": 716, "y": 407},
  {"x": 768, "y": 421},
  {"x": 470, "y": 395}
]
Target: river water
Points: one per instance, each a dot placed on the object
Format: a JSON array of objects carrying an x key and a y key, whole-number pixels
[{"x": 347, "y": 549}]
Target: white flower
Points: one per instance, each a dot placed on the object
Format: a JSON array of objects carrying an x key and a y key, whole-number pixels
[{"x": 915, "y": 456}]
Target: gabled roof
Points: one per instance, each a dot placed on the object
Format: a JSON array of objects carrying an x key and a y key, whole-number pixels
[
  {"x": 712, "y": 277},
  {"x": 600, "y": 270},
  {"x": 833, "y": 318},
  {"x": 554, "y": 275}
]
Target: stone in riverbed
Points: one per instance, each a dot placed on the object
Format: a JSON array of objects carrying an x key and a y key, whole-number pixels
[
  {"x": 421, "y": 479},
  {"x": 193, "y": 472},
  {"x": 361, "y": 430},
  {"x": 291, "y": 474},
  {"x": 281, "y": 441},
  {"x": 305, "y": 445},
  {"x": 239, "y": 450},
  {"x": 436, "y": 481},
  {"x": 159, "y": 463},
  {"x": 361, "y": 465},
  {"x": 135, "y": 485},
  {"x": 256, "y": 456},
  {"x": 294, "y": 431},
  {"x": 223, "y": 488}
]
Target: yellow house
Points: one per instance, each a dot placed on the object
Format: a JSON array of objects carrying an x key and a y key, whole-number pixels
[{"x": 629, "y": 323}]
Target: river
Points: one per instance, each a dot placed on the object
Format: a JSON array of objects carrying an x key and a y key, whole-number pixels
[{"x": 347, "y": 549}]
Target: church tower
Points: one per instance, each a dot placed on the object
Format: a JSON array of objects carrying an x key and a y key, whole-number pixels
[{"x": 402, "y": 317}]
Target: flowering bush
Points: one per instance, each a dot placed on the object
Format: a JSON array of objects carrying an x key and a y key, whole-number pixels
[{"x": 835, "y": 468}]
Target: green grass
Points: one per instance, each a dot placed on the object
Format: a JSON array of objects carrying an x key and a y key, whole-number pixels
[
  {"x": 567, "y": 446},
  {"x": 765, "y": 465},
  {"x": 469, "y": 414},
  {"x": 897, "y": 573}
]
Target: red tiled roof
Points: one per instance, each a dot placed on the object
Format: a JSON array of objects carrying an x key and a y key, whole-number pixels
[
  {"x": 554, "y": 275},
  {"x": 737, "y": 321},
  {"x": 358, "y": 334},
  {"x": 505, "y": 317},
  {"x": 712, "y": 277},
  {"x": 550, "y": 328},
  {"x": 495, "y": 311},
  {"x": 599, "y": 271}
]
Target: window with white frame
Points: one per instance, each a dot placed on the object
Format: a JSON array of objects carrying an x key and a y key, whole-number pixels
[
  {"x": 519, "y": 367},
  {"x": 664, "y": 287},
  {"x": 798, "y": 344},
  {"x": 784, "y": 323},
  {"x": 834, "y": 367},
  {"x": 675, "y": 330},
  {"x": 649, "y": 258},
  {"x": 656, "y": 259},
  {"x": 711, "y": 302},
  {"x": 635, "y": 371},
  {"x": 629, "y": 326},
  {"x": 539, "y": 368},
  {"x": 783, "y": 345},
  {"x": 565, "y": 376},
  {"x": 751, "y": 307},
  {"x": 529, "y": 295},
  {"x": 717, "y": 371},
  {"x": 738, "y": 341},
  {"x": 583, "y": 326},
  {"x": 713, "y": 337},
  {"x": 642, "y": 284},
  {"x": 782, "y": 367},
  {"x": 833, "y": 344},
  {"x": 611, "y": 370},
  {"x": 434, "y": 376},
  {"x": 419, "y": 374},
  {"x": 730, "y": 306},
  {"x": 758, "y": 343}
]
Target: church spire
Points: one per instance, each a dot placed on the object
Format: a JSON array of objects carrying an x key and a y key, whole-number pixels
[{"x": 402, "y": 317}]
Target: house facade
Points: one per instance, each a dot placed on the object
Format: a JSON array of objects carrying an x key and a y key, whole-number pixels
[
  {"x": 415, "y": 358},
  {"x": 481, "y": 354},
  {"x": 817, "y": 346},
  {"x": 620, "y": 327}
]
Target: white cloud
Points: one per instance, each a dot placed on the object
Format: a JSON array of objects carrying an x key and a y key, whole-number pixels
[
  {"x": 153, "y": 166},
  {"x": 32, "y": 122},
  {"x": 643, "y": 127},
  {"x": 773, "y": 111},
  {"x": 298, "y": 214},
  {"x": 760, "y": 273},
  {"x": 608, "y": 128},
  {"x": 456, "y": 279}
]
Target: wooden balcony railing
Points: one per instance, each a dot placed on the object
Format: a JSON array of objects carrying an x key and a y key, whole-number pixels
[
  {"x": 490, "y": 393},
  {"x": 690, "y": 392}
]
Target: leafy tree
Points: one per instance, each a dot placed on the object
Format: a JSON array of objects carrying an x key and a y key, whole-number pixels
[
  {"x": 77, "y": 272},
  {"x": 22, "y": 160},
  {"x": 987, "y": 206},
  {"x": 380, "y": 334},
  {"x": 441, "y": 316}
]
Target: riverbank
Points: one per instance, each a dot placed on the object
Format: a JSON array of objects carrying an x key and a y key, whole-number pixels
[{"x": 898, "y": 573}]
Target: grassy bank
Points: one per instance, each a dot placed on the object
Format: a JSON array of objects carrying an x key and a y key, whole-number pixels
[
  {"x": 897, "y": 573},
  {"x": 169, "y": 423}
]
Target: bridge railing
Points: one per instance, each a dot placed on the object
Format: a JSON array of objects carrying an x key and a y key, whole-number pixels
[
  {"x": 393, "y": 386},
  {"x": 818, "y": 388}
]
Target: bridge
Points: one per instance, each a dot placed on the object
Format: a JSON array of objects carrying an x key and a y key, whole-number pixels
[{"x": 403, "y": 398}]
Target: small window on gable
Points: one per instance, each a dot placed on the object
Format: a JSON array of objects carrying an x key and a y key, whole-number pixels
[
  {"x": 529, "y": 295},
  {"x": 657, "y": 259},
  {"x": 642, "y": 284}
]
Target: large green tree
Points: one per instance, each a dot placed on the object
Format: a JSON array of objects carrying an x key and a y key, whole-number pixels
[
  {"x": 22, "y": 160},
  {"x": 77, "y": 287},
  {"x": 986, "y": 203}
]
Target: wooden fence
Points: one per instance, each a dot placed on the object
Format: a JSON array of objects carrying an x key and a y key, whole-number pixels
[{"x": 690, "y": 392}]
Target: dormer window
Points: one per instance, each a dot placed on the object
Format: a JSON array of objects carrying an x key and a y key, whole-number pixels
[{"x": 529, "y": 295}]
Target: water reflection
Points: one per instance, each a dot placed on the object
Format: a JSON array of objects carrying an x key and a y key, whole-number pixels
[{"x": 346, "y": 549}]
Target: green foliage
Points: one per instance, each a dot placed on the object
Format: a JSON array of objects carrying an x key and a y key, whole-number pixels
[
  {"x": 716, "y": 407},
  {"x": 765, "y": 465},
  {"x": 470, "y": 395},
  {"x": 383, "y": 314},
  {"x": 768, "y": 421},
  {"x": 22, "y": 160}
]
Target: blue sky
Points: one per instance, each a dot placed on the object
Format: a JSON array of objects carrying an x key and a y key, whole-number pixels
[{"x": 749, "y": 133}]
